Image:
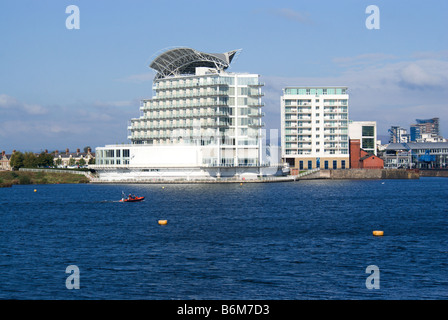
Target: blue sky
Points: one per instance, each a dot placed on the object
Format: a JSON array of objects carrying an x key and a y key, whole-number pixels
[{"x": 63, "y": 88}]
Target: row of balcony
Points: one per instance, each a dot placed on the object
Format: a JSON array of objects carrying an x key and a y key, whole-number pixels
[
  {"x": 212, "y": 93},
  {"x": 195, "y": 105},
  {"x": 308, "y": 111},
  {"x": 216, "y": 82},
  {"x": 164, "y": 85},
  {"x": 180, "y": 125},
  {"x": 196, "y": 115},
  {"x": 341, "y": 117},
  {"x": 298, "y": 134},
  {"x": 184, "y": 116},
  {"x": 184, "y": 106},
  {"x": 325, "y": 104}
]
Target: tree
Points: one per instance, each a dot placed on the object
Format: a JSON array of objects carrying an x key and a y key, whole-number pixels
[
  {"x": 82, "y": 162},
  {"x": 92, "y": 161},
  {"x": 30, "y": 160},
  {"x": 87, "y": 149},
  {"x": 71, "y": 162},
  {"x": 16, "y": 160},
  {"x": 45, "y": 160}
]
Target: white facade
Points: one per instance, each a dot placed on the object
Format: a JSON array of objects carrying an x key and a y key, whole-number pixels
[
  {"x": 365, "y": 131},
  {"x": 314, "y": 127}
]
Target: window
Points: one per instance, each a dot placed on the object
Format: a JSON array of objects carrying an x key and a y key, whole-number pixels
[
  {"x": 368, "y": 143},
  {"x": 342, "y": 164},
  {"x": 125, "y": 153},
  {"x": 310, "y": 164},
  {"x": 326, "y": 164},
  {"x": 335, "y": 164},
  {"x": 301, "y": 165},
  {"x": 368, "y": 131},
  {"x": 109, "y": 153}
]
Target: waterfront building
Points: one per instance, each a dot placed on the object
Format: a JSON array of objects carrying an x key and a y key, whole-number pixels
[
  {"x": 430, "y": 137},
  {"x": 365, "y": 132},
  {"x": 68, "y": 158},
  {"x": 5, "y": 160},
  {"x": 418, "y": 155},
  {"x": 202, "y": 122},
  {"x": 398, "y": 135},
  {"x": 314, "y": 127},
  {"x": 424, "y": 126}
]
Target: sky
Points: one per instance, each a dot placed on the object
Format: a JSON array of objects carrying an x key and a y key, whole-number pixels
[{"x": 70, "y": 88}]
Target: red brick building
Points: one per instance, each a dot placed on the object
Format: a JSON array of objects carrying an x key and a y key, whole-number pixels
[{"x": 360, "y": 159}]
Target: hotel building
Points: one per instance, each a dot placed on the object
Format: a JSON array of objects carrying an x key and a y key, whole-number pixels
[
  {"x": 202, "y": 122},
  {"x": 314, "y": 127}
]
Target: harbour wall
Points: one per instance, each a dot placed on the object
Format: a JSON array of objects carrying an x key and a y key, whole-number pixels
[
  {"x": 434, "y": 173},
  {"x": 363, "y": 174}
]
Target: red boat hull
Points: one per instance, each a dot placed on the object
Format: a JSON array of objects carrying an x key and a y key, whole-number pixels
[{"x": 136, "y": 199}]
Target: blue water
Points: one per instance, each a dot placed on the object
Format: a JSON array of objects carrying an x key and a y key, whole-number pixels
[{"x": 294, "y": 240}]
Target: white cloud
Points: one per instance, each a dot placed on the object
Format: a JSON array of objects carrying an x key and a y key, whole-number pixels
[
  {"x": 428, "y": 73},
  {"x": 8, "y": 102}
]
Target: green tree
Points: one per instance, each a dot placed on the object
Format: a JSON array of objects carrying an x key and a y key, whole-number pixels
[
  {"x": 71, "y": 162},
  {"x": 45, "y": 160},
  {"x": 58, "y": 161},
  {"x": 92, "y": 161},
  {"x": 30, "y": 160},
  {"x": 82, "y": 162},
  {"x": 16, "y": 160}
]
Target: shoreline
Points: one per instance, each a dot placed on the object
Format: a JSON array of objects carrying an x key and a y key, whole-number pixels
[{"x": 43, "y": 176}]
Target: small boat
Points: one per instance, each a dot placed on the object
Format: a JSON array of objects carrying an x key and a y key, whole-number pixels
[{"x": 132, "y": 198}]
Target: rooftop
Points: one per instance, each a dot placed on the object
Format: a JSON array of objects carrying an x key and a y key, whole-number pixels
[
  {"x": 417, "y": 145},
  {"x": 182, "y": 60}
]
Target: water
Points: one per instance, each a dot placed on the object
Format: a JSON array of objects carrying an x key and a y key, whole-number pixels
[{"x": 289, "y": 241}]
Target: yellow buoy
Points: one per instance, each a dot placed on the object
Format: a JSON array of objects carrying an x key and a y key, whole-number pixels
[
  {"x": 163, "y": 222},
  {"x": 35, "y": 190},
  {"x": 378, "y": 233}
]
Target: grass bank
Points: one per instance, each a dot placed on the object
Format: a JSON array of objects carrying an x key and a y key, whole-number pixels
[{"x": 9, "y": 178}]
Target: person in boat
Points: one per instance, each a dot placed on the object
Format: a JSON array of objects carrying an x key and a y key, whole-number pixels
[{"x": 130, "y": 197}]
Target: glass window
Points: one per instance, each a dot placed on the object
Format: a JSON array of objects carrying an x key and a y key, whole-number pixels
[
  {"x": 368, "y": 131},
  {"x": 368, "y": 143},
  {"x": 110, "y": 154},
  {"x": 326, "y": 164},
  {"x": 310, "y": 164},
  {"x": 335, "y": 164}
]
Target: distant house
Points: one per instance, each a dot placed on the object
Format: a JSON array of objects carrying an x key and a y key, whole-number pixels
[
  {"x": 71, "y": 158},
  {"x": 5, "y": 161},
  {"x": 360, "y": 159}
]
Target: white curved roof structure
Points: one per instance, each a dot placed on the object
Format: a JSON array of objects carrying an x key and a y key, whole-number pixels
[{"x": 184, "y": 60}]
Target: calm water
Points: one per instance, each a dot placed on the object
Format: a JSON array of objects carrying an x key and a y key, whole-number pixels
[{"x": 302, "y": 240}]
